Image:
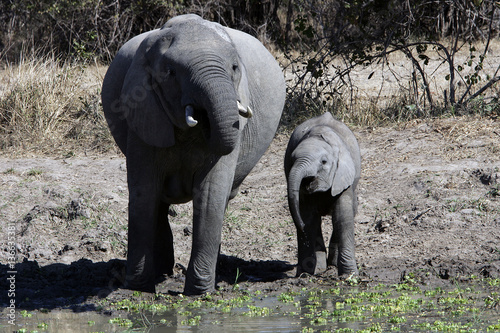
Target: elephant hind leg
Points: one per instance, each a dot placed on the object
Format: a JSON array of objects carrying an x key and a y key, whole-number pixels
[
  {"x": 163, "y": 244},
  {"x": 342, "y": 247}
]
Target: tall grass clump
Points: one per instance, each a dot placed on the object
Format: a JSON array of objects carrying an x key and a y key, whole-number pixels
[{"x": 48, "y": 105}]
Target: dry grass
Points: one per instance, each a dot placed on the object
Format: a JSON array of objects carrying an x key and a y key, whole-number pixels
[{"x": 50, "y": 107}]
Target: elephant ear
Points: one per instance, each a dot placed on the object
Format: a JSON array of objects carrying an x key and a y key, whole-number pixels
[
  {"x": 346, "y": 172},
  {"x": 140, "y": 104}
]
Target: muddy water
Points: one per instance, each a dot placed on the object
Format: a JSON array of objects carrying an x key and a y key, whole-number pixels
[
  {"x": 236, "y": 321},
  {"x": 404, "y": 307}
]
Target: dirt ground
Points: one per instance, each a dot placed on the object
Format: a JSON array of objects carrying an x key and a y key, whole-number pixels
[{"x": 429, "y": 204}]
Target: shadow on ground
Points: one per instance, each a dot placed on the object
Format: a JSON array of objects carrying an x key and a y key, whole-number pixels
[
  {"x": 77, "y": 285},
  {"x": 61, "y": 285},
  {"x": 235, "y": 270}
]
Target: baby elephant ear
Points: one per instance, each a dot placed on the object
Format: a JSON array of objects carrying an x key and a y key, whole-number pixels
[{"x": 346, "y": 172}]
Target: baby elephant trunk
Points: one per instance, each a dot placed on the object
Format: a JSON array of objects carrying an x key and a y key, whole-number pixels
[{"x": 298, "y": 172}]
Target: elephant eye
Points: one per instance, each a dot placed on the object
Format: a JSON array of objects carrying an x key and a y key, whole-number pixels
[
  {"x": 235, "y": 67},
  {"x": 324, "y": 161}
]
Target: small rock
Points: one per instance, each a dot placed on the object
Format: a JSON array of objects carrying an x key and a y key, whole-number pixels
[
  {"x": 188, "y": 230},
  {"x": 66, "y": 248},
  {"x": 382, "y": 226}
]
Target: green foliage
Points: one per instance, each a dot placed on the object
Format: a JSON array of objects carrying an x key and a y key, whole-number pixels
[{"x": 124, "y": 322}]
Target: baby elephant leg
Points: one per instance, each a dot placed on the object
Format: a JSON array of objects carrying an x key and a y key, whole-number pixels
[
  {"x": 311, "y": 247},
  {"x": 342, "y": 246}
]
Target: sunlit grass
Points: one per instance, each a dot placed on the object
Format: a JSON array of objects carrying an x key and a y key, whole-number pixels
[{"x": 48, "y": 106}]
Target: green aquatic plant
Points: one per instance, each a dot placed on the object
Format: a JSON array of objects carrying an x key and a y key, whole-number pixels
[
  {"x": 319, "y": 321},
  {"x": 43, "y": 325},
  {"x": 397, "y": 320},
  {"x": 25, "y": 314},
  {"x": 443, "y": 326},
  {"x": 256, "y": 311},
  {"x": 399, "y": 307},
  {"x": 196, "y": 304},
  {"x": 451, "y": 301},
  {"x": 494, "y": 282},
  {"x": 492, "y": 301},
  {"x": 286, "y": 297},
  {"x": 373, "y": 328},
  {"x": 125, "y": 322},
  {"x": 494, "y": 328},
  {"x": 434, "y": 292},
  {"x": 193, "y": 321}
]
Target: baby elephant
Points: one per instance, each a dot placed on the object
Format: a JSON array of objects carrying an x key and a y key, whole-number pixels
[{"x": 322, "y": 167}]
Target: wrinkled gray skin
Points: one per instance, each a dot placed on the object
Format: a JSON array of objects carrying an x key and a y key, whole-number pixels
[
  {"x": 322, "y": 167},
  {"x": 179, "y": 103}
]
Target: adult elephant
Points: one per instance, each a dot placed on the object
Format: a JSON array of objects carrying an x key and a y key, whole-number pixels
[{"x": 193, "y": 106}]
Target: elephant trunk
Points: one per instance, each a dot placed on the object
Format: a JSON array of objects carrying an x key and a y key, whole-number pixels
[
  {"x": 298, "y": 172},
  {"x": 220, "y": 102}
]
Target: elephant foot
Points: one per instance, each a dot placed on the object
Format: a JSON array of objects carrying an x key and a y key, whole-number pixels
[
  {"x": 198, "y": 284},
  {"x": 320, "y": 262},
  {"x": 346, "y": 272},
  {"x": 195, "y": 290},
  {"x": 139, "y": 285},
  {"x": 332, "y": 256},
  {"x": 313, "y": 265}
]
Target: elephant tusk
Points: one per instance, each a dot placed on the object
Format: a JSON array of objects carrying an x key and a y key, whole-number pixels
[
  {"x": 244, "y": 112},
  {"x": 190, "y": 121}
]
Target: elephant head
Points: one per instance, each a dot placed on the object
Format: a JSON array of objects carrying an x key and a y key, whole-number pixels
[
  {"x": 186, "y": 76},
  {"x": 321, "y": 162}
]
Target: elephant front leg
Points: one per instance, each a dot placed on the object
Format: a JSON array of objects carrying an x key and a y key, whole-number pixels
[
  {"x": 210, "y": 198},
  {"x": 140, "y": 252},
  {"x": 311, "y": 246},
  {"x": 148, "y": 229},
  {"x": 342, "y": 245},
  {"x": 150, "y": 241}
]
